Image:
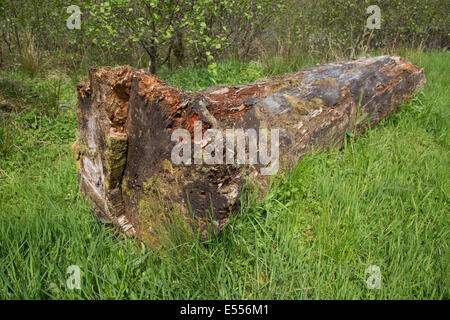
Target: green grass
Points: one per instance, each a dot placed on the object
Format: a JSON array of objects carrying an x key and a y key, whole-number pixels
[{"x": 381, "y": 200}]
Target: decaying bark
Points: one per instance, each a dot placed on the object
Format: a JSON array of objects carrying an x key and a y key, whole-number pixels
[{"x": 126, "y": 118}]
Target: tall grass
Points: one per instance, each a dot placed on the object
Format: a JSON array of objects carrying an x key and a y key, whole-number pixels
[
  {"x": 30, "y": 57},
  {"x": 19, "y": 91},
  {"x": 5, "y": 136}
]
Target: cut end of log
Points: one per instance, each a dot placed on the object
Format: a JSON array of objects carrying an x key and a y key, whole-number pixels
[{"x": 127, "y": 120}]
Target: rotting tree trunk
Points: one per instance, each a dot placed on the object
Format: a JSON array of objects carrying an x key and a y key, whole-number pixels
[{"x": 126, "y": 119}]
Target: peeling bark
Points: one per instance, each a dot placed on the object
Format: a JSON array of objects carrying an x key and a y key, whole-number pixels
[{"x": 126, "y": 118}]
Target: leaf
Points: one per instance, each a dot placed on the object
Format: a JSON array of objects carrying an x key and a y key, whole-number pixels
[{"x": 361, "y": 118}]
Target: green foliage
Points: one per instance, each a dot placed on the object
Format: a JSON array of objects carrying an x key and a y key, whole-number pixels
[
  {"x": 337, "y": 28},
  {"x": 163, "y": 28},
  {"x": 174, "y": 32}
]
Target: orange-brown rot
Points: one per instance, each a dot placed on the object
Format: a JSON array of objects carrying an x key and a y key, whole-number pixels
[
  {"x": 398, "y": 71},
  {"x": 230, "y": 105}
]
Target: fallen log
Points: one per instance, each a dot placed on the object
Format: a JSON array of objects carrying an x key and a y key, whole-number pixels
[{"x": 149, "y": 154}]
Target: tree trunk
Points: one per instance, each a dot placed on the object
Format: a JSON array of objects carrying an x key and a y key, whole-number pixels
[{"x": 127, "y": 145}]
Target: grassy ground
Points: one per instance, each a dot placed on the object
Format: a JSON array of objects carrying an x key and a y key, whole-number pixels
[{"x": 381, "y": 200}]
